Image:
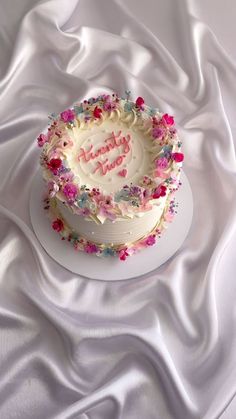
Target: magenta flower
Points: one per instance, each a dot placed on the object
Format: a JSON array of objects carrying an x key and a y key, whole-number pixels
[
  {"x": 161, "y": 163},
  {"x": 70, "y": 191},
  {"x": 90, "y": 248},
  {"x": 158, "y": 132},
  {"x": 139, "y": 102},
  {"x": 42, "y": 139},
  {"x": 123, "y": 254},
  {"x": 68, "y": 115},
  {"x": 178, "y": 157},
  {"x": 150, "y": 240},
  {"x": 167, "y": 119}
]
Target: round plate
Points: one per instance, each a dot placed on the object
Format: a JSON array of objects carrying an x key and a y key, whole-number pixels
[{"x": 111, "y": 268}]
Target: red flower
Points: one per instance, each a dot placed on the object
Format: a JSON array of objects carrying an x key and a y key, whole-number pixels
[
  {"x": 54, "y": 165},
  {"x": 139, "y": 102},
  {"x": 57, "y": 225},
  {"x": 123, "y": 254},
  {"x": 160, "y": 191},
  {"x": 178, "y": 157},
  {"x": 97, "y": 112},
  {"x": 167, "y": 119}
]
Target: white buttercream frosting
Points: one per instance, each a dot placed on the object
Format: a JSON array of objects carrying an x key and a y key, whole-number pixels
[{"x": 113, "y": 232}]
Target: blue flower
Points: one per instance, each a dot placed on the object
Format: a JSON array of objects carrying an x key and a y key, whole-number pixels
[
  {"x": 152, "y": 112},
  {"x": 78, "y": 109},
  {"x": 128, "y": 106},
  {"x": 167, "y": 151},
  {"x": 82, "y": 200},
  {"x": 108, "y": 252},
  {"x": 122, "y": 195}
]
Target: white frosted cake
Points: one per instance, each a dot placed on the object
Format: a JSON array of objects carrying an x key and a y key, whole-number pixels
[{"x": 111, "y": 166}]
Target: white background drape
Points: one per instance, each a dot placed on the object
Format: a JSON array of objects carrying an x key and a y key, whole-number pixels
[{"x": 162, "y": 346}]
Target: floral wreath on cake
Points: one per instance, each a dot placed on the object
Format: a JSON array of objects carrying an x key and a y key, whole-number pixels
[{"x": 130, "y": 199}]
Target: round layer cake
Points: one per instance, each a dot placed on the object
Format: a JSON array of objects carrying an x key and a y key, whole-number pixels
[{"x": 111, "y": 166}]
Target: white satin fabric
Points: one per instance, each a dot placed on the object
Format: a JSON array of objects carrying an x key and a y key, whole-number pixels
[{"x": 162, "y": 346}]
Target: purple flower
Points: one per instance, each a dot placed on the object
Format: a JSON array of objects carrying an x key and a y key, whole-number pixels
[
  {"x": 68, "y": 115},
  {"x": 161, "y": 163},
  {"x": 70, "y": 191},
  {"x": 135, "y": 191},
  {"x": 158, "y": 132}
]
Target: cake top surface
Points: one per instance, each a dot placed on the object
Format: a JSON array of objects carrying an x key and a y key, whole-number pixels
[{"x": 110, "y": 157}]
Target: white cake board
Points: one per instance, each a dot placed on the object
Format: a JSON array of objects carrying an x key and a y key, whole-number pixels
[{"x": 111, "y": 268}]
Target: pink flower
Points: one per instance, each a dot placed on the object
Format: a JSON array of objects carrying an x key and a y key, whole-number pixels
[
  {"x": 161, "y": 163},
  {"x": 109, "y": 105},
  {"x": 105, "y": 207},
  {"x": 90, "y": 248},
  {"x": 42, "y": 139},
  {"x": 147, "y": 180},
  {"x": 97, "y": 112},
  {"x": 158, "y": 132},
  {"x": 173, "y": 131},
  {"x": 160, "y": 191},
  {"x": 178, "y": 157},
  {"x": 68, "y": 115},
  {"x": 167, "y": 119},
  {"x": 123, "y": 254},
  {"x": 139, "y": 102},
  {"x": 150, "y": 240},
  {"x": 85, "y": 211},
  {"x": 169, "y": 216},
  {"x": 57, "y": 225},
  {"x": 53, "y": 188},
  {"x": 67, "y": 176},
  {"x": 70, "y": 190},
  {"x": 54, "y": 165},
  {"x": 105, "y": 212}
]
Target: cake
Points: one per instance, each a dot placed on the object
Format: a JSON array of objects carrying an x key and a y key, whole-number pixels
[{"x": 111, "y": 167}]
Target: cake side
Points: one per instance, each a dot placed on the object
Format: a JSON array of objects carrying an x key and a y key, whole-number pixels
[
  {"x": 83, "y": 243},
  {"x": 119, "y": 232}
]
